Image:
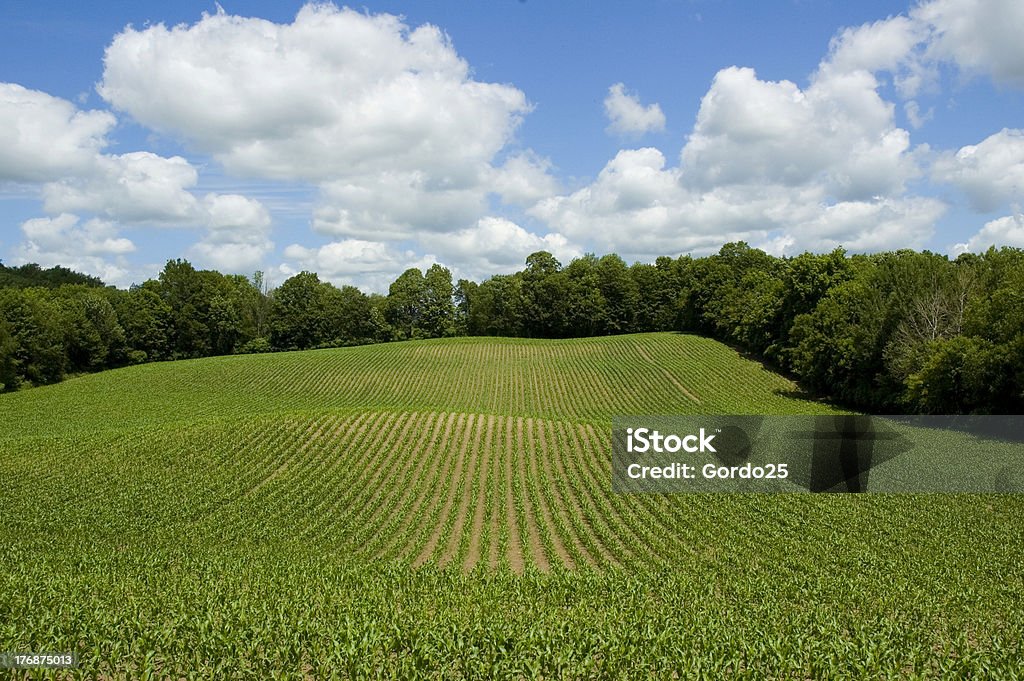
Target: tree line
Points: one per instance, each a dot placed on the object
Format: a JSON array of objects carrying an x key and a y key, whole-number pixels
[{"x": 904, "y": 331}]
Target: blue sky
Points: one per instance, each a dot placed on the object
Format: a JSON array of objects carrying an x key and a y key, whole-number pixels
[{"x": 270, "y": 136}]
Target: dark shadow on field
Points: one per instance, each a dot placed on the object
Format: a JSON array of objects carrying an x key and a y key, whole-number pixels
[
  {"x": 805, "y": 396},
  {"x": 797, "y": 393},
  {"x": 999, "y": 427}
]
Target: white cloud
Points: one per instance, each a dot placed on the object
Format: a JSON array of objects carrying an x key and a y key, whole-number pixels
[
  {"x": 136, "y": 187},
  {"x": 334, "y": 93},
  {"x": 838, "y": 132},
  {"x": 44, "y": 138},
  {"x": 768, "y": 163},
  {"x": 1004, "y": 231},
  {"x": 395, "y": 206},
  {"x": 92, "y": 247},
  {"x": 913, "y": 112},
  {"x": 639, "y": 209},
  {"x": 49, "y": 141},
  {"x": 893, "y": 45},
  {"x": 371, "y": 265},
  {"x": 496, "y": 246},
  {"x": 628, "y": 116},
  {"x": 238, "y": 238},
  {"x": 387, "y": 119},
  {"x": 877, "y": 225},
  {"x": 523, "y": 179},
  {"x": 815, "y": 167},
  {"x": 990, "y": 173},
  {"x": 872, "y": 47},
  {"x": 95, "y": 237},
  {"x": 978, "y": 35}
]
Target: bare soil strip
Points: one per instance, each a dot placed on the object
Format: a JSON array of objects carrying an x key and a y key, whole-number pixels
[{"x": 456, "y": 540}]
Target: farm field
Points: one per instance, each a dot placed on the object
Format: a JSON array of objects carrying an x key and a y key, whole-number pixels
[{"x": 443, "y": 509}]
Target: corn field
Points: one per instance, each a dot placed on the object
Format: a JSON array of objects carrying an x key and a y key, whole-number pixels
[{"x": 443, "y": 509}]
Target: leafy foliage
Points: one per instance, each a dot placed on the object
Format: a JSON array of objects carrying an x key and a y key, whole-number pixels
[{"x": 879, "y": 333}]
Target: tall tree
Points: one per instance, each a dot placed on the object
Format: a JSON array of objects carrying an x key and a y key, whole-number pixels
[
  {"x": 438, "y": 315},
  {"x": 405, "y": 304},
  {"x": 297, "y": 320}
]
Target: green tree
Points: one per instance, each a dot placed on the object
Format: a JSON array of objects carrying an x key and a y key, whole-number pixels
[
  {"x": 583, "y": 308},
  {"x": 348, "y": 314},
  {"x": 146, "y": 319},
  {"x": 9, "y": 379},
  {"x": 544, "y": 292},
  {"x": 297, "y": 321},
  {"x": 35, "y": 326},
  {"x": 620, "y": 294},
  {"x": 405, "y": 305},
  {"x": 437, "y": 319}
]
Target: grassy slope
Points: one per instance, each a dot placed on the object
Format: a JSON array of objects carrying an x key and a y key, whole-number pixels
[
  {"x": 586, "y": 379},
  {"x": 238, "y": 515}
]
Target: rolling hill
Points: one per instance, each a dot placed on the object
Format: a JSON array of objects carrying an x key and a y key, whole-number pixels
[{"x": 443, "y": 508}]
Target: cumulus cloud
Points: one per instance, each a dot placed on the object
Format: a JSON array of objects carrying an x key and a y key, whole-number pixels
[
  {"x": 371, "y": 265},
  {"x": 768, "y": 162},
  {"x": 976, "y": 36},
  {"x": 879, "y": 45},
  {"x": 135, "y": 187},
  {"x": 523, "y": 179},
  {"x": 1004, "y": 231},
  {"x": 790, "y": 167},
  {"x": 870, "y": 225},
  {"x": 496, "y": 246},
  {"x": 385, "y": 118},
  {"x": 410, "y": 155},
  {"x": 44, "y": 138},
  {"x": 893, "y": 45},
  {"x": 640, "y": 209},
  {"x": 47, "y": 140},
  {"x": 238, "y": 236},
  {"x": 395, "y": 206},
  {"x": 334, "y": 93},
  {"x": 93, "y": 247},
  {"x": 980, "y": 36},
  {"x": 628, "y": 116},
  {"x": 914, "y": 115},
  {"x": 838, "y": 132},
  {"x": 990, "y": 173}
]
